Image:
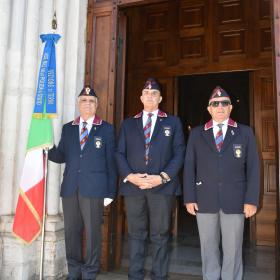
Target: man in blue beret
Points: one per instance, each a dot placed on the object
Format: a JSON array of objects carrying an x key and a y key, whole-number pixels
[
  {"x": 87, "y": 148},
  {"x": 149, "y": 156},
  {"x": 221, "y": 186}
]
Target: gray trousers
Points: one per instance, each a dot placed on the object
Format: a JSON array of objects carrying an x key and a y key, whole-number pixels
[
  {"x": 82, "y": 213},
  {"x": 211, "y": 228}
]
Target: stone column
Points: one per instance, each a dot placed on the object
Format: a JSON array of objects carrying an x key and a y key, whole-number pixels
[
  {"x": 8, "y": 140},
  {"x": 5, "y": 9},
  {"x": 21, "y": 22}
]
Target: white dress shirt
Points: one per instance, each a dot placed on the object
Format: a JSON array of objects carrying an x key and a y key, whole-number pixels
[
  {"x": 154, "y": 119},
  {"x": 89, "y": 123},
  {"x": 216, "y": 128}
]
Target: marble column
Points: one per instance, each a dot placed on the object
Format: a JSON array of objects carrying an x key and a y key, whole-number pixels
[{"x": 21, "y": 23}]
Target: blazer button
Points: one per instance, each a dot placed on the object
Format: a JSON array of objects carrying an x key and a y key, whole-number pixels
[
  {"x": 81, "y": 156},
  {"x": 220, "y": 184},
  {"x": 79, "y": 171}
]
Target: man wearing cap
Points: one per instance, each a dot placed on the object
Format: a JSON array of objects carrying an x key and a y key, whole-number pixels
[
  {"x": 221, "y": 186},
  {"x": 149, "y": 156},
  {"x": 87, "y": 148}
]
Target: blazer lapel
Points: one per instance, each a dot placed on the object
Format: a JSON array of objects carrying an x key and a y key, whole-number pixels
[
  {"x": 209, "y": 139},
  {"x": 156, "y": 128},
  {"x": 76, "y": 136},
  {"x": 139, "y": 124},
  {"x": 232, "y": 132},
  {"x": 93, "y": 132}
]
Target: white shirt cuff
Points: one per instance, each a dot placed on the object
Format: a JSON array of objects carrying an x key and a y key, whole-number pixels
[{"x": 107, "y": 201}]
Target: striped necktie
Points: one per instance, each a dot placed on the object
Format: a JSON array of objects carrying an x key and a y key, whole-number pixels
[
  {"x": 147, "y": 135},
  {"x": 83, "y": 135},
  {"x": 219, "y": 139}
]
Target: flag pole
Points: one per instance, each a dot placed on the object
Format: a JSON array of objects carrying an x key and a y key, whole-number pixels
[{"x": 45, "y": 151}]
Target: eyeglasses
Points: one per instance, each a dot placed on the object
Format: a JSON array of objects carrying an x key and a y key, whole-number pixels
[{"x": 224, "y": 103}]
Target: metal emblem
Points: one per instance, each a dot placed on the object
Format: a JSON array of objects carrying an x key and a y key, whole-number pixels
[
  {"x": 98, "y": 142},
  {"x": 237, "y": 150},
  {"x": 87, "y": 90},
  {"x": 167, "y": 131},
  {"x": 232, "y": 132},
  {"x": 149, "y": 86},
  {"x": 219, "y": 92}
]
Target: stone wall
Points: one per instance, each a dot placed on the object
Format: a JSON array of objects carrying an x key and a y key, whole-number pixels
[{"x": 22, "y": 21}]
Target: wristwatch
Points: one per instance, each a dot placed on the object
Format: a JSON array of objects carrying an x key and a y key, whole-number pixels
[{"x": 163, "y": 179}]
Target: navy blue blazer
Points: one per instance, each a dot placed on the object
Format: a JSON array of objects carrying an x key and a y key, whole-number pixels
[
  {"x": 222, "y": 180},
  {"x": 92, "y": 171},
  {"x": 166, "y": 152}
]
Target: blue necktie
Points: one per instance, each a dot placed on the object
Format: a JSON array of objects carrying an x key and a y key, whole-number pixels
[
  {"x": 83, "y": 135},
  {"x": 147, "y": 135},
  {"x": 219, "y": 139}
]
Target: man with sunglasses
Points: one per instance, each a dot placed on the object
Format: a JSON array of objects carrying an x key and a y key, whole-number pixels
[{"x": 221, "y": 187}]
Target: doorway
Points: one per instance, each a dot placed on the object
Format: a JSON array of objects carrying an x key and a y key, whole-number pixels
[{"x": 193, "y": 95}]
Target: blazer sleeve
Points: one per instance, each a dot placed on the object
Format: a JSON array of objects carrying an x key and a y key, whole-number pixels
[
  {"x": 252, "y": 171},
  {"x": 122, "y": 163},
  {"x": 190, "y": 171},
  {"x": 111, "y": 164},
  {"x": 57, "y": 154},
  {"x": 178, "y": 149}
]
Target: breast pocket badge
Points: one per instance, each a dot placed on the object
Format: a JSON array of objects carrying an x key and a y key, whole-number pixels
[
  {"x": 167, "y": 131},
  {"x": 98, "y": 142},
  {"x": 237, "y": 150}
]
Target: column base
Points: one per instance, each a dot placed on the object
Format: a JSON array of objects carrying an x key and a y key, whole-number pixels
[{"x": 22, "y": 262}]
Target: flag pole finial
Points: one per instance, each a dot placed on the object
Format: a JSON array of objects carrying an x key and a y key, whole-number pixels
[{"x": 54, "y": 19}]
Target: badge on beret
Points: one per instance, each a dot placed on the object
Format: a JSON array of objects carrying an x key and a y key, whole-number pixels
[
  {"x": 98, "y": 142},
  {"x": 237, "y": 150},
  {"x": 87, "y": 90},
  {"x": 167, "y": 131}
]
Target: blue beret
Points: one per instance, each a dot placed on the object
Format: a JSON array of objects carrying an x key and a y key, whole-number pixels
[
  {"x": 88, "y": 91},
  {"x": 151, "y": 83},
  {"x": 218, "y": 92}
]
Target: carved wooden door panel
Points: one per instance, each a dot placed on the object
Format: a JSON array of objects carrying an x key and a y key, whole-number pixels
[{"x": 265, "y": 128}]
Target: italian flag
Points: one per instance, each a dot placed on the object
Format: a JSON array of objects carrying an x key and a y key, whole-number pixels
[{"x": 29, "y": 212}]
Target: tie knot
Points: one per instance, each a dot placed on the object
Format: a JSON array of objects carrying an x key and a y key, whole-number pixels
[
  {"x": 84, "y": 124},
  {"x": 150, "y": 115},
  {"x": 220, "y": 125}
]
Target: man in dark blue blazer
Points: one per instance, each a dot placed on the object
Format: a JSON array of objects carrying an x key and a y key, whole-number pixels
[
  {"x": 221, "y": 186},
  {"x": 150, "y": 154},
  {"x": 87, "y": 148}
]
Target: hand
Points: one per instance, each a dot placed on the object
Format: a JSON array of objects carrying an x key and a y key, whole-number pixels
[
  {"x": 107, "y": 201},
  {"x": 151, "y": 182},
  {"x": 138, "y": 179},
  {"x": 192, "y": 208},
  {"x": 249, "y": 210}
]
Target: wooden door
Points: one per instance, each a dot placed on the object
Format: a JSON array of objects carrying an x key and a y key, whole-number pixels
[
  {"x": 265, "y": 130},
  {"x": 276, "y": 66}
]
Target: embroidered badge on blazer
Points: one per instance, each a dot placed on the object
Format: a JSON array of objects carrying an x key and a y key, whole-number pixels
[
  {"x": 237, "y": 150},
  {"x": 167, "y": 131},
  {"x": 98, "y": 142}
]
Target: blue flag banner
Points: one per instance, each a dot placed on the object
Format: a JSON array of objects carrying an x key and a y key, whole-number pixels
[{"x": 45, "y": 101}]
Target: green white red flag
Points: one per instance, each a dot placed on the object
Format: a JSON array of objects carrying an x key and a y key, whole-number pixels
[{"x": 29, "y": 211}]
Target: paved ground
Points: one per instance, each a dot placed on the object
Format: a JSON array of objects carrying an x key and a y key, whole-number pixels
[{"x": 122, "y": 275}]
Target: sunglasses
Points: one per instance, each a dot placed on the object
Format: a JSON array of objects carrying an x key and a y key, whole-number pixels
[{"x": 224, "y": 103}]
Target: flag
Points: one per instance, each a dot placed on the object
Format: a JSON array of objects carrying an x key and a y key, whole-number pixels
[{"x": 29, "y": 211}]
